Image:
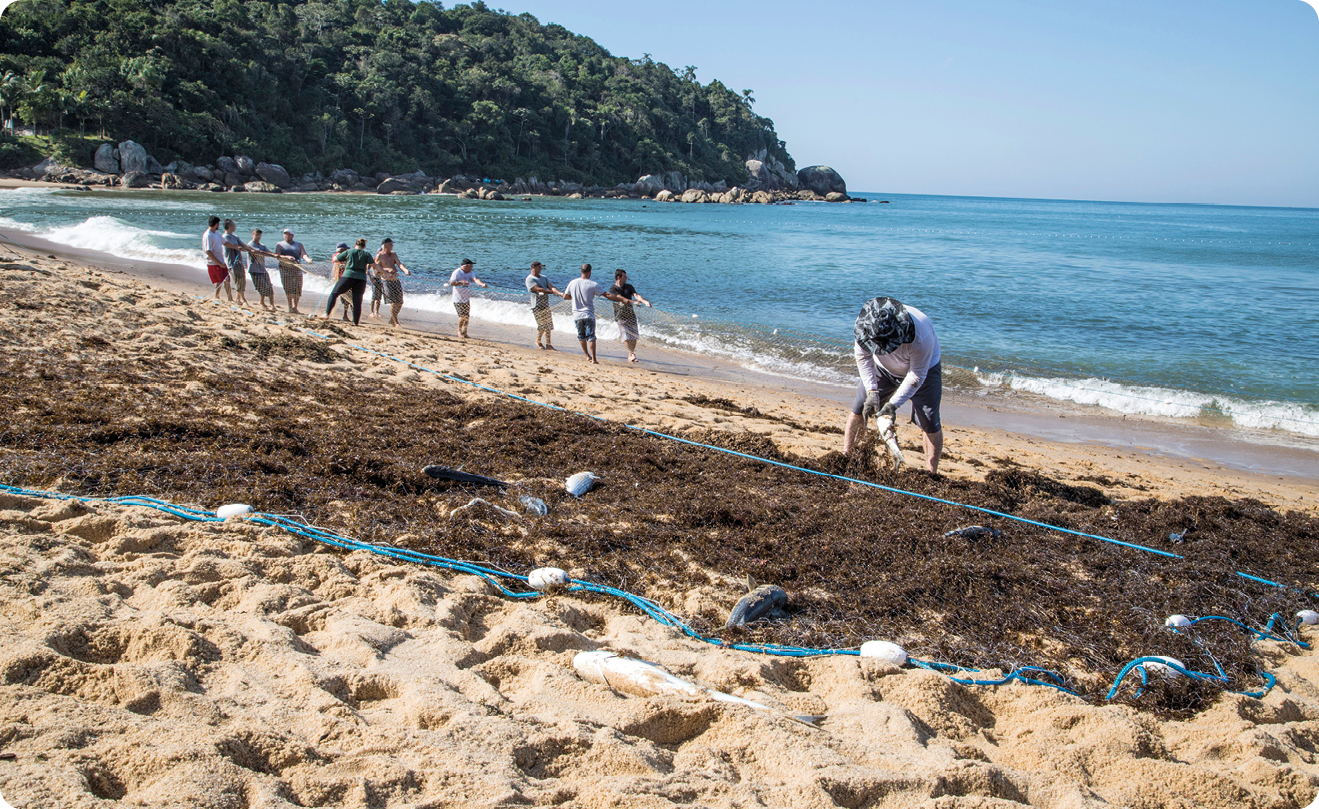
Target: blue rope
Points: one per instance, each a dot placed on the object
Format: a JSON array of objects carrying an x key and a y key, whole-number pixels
[{"x": 1216, "y": 679}]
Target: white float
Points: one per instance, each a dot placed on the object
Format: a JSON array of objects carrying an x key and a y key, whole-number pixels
[
  {"x": 544, "y": 579},
  {"x": 1164, "y": 669},
  {"x": 1309, "y": 618},
  {"x": 890, "y": 653},
  {"x": 1177, "y": 621},
  {"x": 232, "y": 510}
]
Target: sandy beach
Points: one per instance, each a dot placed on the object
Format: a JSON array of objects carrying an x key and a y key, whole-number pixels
[{"x": 156, "y": 661}]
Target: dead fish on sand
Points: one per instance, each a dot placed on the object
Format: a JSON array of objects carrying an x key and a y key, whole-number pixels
[
  {"x": 639, "y": 678},
  {"x": 765, "y": 602},
  {"x": 445, "y": 473},
  {"x": 581, "y": 483},
  {"x": 975, "y": 532}
]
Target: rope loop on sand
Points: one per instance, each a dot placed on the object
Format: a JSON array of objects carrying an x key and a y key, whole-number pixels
[{"x": 1027, "y": 675}]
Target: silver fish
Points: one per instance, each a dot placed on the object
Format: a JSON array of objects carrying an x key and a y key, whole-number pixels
[
  {"x": 763, "y": 602},
  {"x": 580, "y": 483},
  {"x": 534, "y": 505},
  {"x": 975, "y": 532}
]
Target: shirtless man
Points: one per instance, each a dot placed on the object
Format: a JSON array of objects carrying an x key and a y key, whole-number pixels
[{"x": 389, "y": 264}]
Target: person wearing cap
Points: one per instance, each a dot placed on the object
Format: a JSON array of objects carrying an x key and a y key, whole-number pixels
[
  {"x": 352, "y": 283},
  {"x": 898, "y": 359},
  {"x": 540, "y": 288},
  {"x": 582, "y": 292},
  {"x": 336, "y": 272},
  {"x": 461, "y": 280},
  {"x": 289, "y": 253},
  {"x": 216, "y": 266},
  {"x": 389, "y": 264},
  {"x": 624, "y": 315}
]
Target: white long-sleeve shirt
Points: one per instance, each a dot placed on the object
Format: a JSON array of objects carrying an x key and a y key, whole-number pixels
[
  {"x": 911, "y": 362},
  {"x": 213, "y": 247}
]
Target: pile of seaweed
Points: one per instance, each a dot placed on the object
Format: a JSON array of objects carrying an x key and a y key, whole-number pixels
[{"x": 668, "y": 519}]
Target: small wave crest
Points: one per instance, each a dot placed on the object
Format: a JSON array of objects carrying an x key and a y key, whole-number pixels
[{"x": 1293, "y": 417}]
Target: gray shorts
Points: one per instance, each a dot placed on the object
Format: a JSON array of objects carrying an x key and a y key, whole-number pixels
[{"x": 924, "y": 403}]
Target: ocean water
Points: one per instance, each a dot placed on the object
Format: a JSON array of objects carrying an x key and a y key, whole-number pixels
[{"x": 1209, "y": 313}]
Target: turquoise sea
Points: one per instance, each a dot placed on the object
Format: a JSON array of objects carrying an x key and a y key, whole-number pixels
[{"x": 1200, "y": 312}]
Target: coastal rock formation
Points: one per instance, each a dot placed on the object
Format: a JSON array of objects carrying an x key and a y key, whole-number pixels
[
  {"x": 135, "y": 179},
  {"x": 822, "y": 180},
  {"x": 274, "y": 174},
  {"x": 834, "y": 196},
  {"x": 695, "y": 195},
  {"x": 246, "y": 165},
  {"x": 664, "y": 196},
  {"x": 768, "y": 174},
  {"x": 649, "y": 184},
  {"x": 260, "y": 187},
  {"x": 391, "y": 185},
  {"x": 226, "y": 165},
  {"x": 344, "y": 177},
  {"x": 106, "y": 159},
  {"x": 132, "y": 157}
]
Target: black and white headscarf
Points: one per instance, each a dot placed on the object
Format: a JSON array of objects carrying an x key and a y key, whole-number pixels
[{"x": 883, "y": 325}]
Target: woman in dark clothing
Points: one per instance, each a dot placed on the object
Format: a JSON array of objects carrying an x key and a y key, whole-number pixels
[{"x": 353, "y": 281}]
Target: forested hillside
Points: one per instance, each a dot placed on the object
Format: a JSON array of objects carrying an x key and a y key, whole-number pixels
[{"x": 390, "y": 87}]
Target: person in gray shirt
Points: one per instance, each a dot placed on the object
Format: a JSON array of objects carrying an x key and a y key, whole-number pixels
[
  {"x": 233, "y": 257},
  {"x": 540, "y": 288}
]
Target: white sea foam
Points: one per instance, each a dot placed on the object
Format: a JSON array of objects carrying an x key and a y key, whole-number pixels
[
  {"x": 110, "y": 235},
  {"x": 1294, "y": 417}
]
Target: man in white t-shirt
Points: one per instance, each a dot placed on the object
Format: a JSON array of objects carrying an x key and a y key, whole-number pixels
[
  {"x": 461, "y": 281},
  {"x": 898, "y": 359},
  {"x": 582, "y": 292}
]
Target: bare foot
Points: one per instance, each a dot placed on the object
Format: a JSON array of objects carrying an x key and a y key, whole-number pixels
[
  {"x": 631, "y": 357},
  {"x": 549, "y": 347}
]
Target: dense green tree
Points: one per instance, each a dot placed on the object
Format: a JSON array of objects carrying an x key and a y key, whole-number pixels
[{"x": 393, "y": 86}]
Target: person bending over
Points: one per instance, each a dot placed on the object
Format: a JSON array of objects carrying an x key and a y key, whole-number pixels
[{"x": 898, "y": 359}]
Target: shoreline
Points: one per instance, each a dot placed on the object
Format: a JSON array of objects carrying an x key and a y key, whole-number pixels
[{"x": 1136, "y": 456}]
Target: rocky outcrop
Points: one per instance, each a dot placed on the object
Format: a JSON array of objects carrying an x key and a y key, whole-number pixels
[
  {"x": 234, "y": 179},
  {"x": 106, "y": 159},
  {"x": 274, "y": 174},
  {"x": 246, "y": 165},
  {"x": 344, "y": 177},
  {"x": 664, "y": 196},
  {"x": 132, "y": 157},
  {"x": 135, "y": 179},
  {"x": 768, "y": 174},
  {"x": 695, "y": 195},
  {"x": 226, "y": 165},
  {"x": 821, "y": 180},
  {"x": 203, "y": 173},
  {"x": 393, "y": 184},
  {"x": 834, "y": 196},
  {"x": 260, "y": 187}
]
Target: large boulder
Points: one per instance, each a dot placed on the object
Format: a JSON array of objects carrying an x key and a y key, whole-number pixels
[
  {"x": 649, "y": 184},
  {"x": 664, "y": 196},
  {"x": 246, "y": 165},
  {"x": 274, "y": 174},
  {"x": 695, "y": 195},
  {"x": 260, "y": 187},
  {"x": 835, "y": 196},
  {"x": 132, "y": 157},
  {"x": 135, "y": 179},
  {"x": 234, "y": 179},
  {"x": 345, "y": 177},
  {"x": 391, "y": 185},
  {"x": 675, "y": 181},
  {"x": 822, "y": 180},
  {"x": 106, "y": 158},
  {"x": 203, "y": 173},
  {"x": 223, "y": 165},
  {"x": 153, "y": 166},
  {"x": 761, "y": 197}
]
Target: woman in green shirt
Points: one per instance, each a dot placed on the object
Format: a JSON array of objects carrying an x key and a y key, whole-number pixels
[{"x": 353, "y": 280}]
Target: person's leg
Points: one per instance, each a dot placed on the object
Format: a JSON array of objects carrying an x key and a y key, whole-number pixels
[
  {"x": 359, "y": 292},
  {"x": 240, "y": 285},
  {"x": 856, "y": 427},
  {"x": 335, "y": 292},
  {"x": 631, "y": 350},
  {"x": 933, "y": 449},
  {"x": 293, "y": 303},
  {"x": 394, "y": 309},
  {"x": 581, "y": 336},
  {"x": 591, "y": 344},
  {"x": 228, "y": 289}
]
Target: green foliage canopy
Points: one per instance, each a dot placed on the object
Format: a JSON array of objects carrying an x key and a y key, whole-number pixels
[{"x": 394, "y": 86}]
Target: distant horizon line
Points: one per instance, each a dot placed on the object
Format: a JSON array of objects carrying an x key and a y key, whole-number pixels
[{"x": 869, "y": 194}]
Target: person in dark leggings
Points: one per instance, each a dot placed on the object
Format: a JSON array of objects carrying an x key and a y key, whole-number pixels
[{"x": 353, "y": 280}]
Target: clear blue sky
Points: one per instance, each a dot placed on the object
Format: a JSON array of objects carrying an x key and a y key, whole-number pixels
[{"x": 1150, "y": 100}]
